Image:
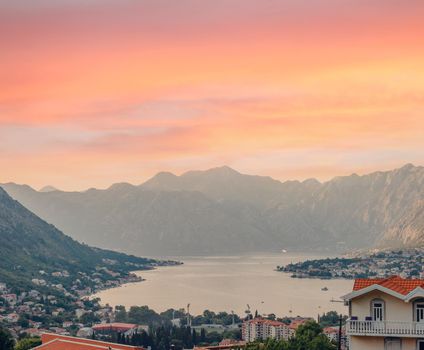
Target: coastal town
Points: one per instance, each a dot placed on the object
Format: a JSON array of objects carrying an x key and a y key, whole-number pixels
[
  {"x": 109, "y": 328},
  {"x": 407, "y": 263},
  {"x": 69, "y": 310},
  {"x": 62, "y": 301},
  {"x": 32, "y": 314}
]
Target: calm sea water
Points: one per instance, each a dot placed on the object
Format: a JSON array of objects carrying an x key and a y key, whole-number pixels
[{"x": 230, "y": 283}]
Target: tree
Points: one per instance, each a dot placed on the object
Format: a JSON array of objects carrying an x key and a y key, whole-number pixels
[
  {"x": 89, "y": 318},
  {"x": 121, "y": 314},
  {"x": 27, "y": 343},
  {"x": 330, "y": 318},
  {"x": 202, "y": 335},
  {"x": 23, "y": 321},
  {"x": 194, "y": 337},
  {"x": 309, "y": 336},
  {"x": 143, "y": 315},
  {"x": 6, "y": 340},
  {"x": 321, "y": 342},
  {"x": 309, "y": 330}
]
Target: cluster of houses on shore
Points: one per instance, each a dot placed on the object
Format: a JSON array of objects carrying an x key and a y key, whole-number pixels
[
  {"x": 384, "y": 314},
  {"x": 34, "y": 312},
  {"x": 406, "y": 264}
]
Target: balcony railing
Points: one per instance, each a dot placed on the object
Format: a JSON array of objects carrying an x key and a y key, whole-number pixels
[{"x": 385, "y": 328}]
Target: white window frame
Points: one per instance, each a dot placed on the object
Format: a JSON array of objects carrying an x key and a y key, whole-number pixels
[
  {"x": 383, "y": 309},
  {"x": 416, "y": 303}
]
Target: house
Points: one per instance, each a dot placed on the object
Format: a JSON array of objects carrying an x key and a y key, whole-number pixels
[
  {"x": 332, "y": 334},
  {"x": 118, "y": 327},
  {"x": 67, "y": 324},
  {"x": 80, "y": 312},
  {"x": 10, "y": 298},
  {"x": 294, "y": 325},
  {"x": 62, "y": 342},
  {"x": 261, "y": 329},
  {"x": 386, "y": 313},
  {"x": 12, "y": 317}
]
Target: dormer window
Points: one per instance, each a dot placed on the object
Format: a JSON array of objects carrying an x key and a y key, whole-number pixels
[{"x": 377, "y": 310}]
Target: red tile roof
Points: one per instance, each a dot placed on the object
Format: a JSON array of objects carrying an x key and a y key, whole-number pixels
[
  {"x": 266, "y": 321},
  {"x": 62, "y": 342},
  {"x": 296, "y": 323},
  {"x": 397, "y": 284}
]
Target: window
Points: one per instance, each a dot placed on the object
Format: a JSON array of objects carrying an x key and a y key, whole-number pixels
[
  {"x": 393, "y": 344},
  {"x": 377, "y": 310},
  {"x": 420, "y": 344},
  {"x": 419, "y": 311}
]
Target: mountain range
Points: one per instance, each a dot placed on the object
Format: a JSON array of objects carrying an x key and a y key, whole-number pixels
[{"x": 221, "y": 211}]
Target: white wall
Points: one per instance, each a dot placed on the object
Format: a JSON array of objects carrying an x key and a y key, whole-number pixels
[
  {"x": 377, "y": 343},
  {"x": 396, "y": 309}
]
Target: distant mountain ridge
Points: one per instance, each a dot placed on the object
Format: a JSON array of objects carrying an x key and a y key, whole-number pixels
[
  {"x": 221, "y": 211},
  {"x": 48, "y": 188}
]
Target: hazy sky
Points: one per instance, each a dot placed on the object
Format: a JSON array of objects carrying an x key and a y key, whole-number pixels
[{"x": 100, "y": 91}]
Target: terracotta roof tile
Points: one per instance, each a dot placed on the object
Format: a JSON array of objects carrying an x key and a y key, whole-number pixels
[
  {"x": 397, "y": 284},
  {"x": 61, "y": 342}
]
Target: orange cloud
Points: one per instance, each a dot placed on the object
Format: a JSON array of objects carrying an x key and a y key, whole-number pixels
[{"x": 92, "y": 93}]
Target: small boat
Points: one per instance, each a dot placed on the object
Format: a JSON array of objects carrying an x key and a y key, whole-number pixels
[
  {"x": 283, "y": 251},
  {"x": 324, "y": 289}
]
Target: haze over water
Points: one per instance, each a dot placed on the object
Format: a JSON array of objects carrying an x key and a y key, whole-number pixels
[{"x": 229, "y": 283}]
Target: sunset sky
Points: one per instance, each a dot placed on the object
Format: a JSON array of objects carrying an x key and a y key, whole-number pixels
[{"x": 99, "y": 91}]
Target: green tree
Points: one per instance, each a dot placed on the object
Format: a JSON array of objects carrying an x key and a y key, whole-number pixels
[
  {"x": 89, "y": 319},
  {"x": 321, "y": 342},
  {"x": 143, "y": 315},
  {"x": 330, "y": 318},
  {"x": 27, "y": 343},
  {"x": 194, "y": 337},
  {"x": 202, "y": 335},
  {"x": 6, "y": 339},
  {"x": 309, "y": 336},
  {"x": 121, "y": 314},
  {"x": 23, "y": 321}
]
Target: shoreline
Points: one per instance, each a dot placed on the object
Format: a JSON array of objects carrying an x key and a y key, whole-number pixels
[{"x": 132, "y": 278}]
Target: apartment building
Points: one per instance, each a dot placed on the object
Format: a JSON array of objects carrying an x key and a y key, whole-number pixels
[
  {"x": 261, "y": 329},
  {"x": 386, "y": 314}
]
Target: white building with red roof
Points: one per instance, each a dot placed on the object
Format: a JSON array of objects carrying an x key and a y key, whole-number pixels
[
  {"x": 119, "y": 327},
  {"x": 386, "y": 314}
]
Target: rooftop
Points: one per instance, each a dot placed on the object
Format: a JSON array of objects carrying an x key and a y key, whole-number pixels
[
  {"x": 266, "y": 321},
  {"x": 61, "y": 342},
  {"x": 395, "y": 283},
  {"x": 114, "y": 325}
]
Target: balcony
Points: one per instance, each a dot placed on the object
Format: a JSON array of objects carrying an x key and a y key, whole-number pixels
[{"x": 385, "y": 328}]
